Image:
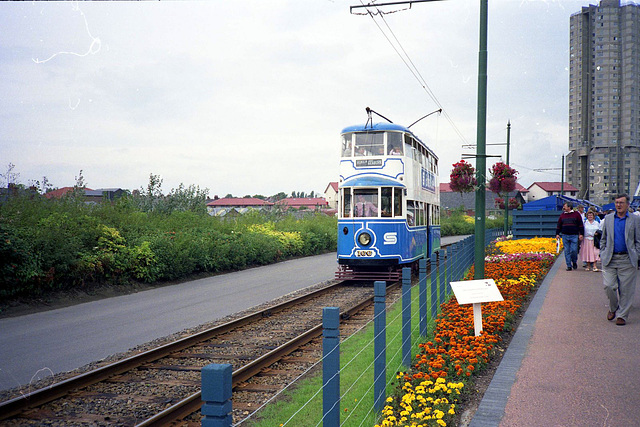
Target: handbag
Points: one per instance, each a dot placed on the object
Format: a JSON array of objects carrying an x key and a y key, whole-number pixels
[{"x": 596, "y": 239}]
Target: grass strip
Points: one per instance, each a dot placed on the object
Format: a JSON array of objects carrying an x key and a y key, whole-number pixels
[{"x": 356, "y": 381}]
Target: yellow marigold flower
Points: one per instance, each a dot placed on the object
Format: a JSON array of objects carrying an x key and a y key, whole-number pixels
[{"x": 442, "y": 423}]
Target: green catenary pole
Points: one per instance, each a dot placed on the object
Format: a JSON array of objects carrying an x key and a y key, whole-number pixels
[
  {"x": 481, "y": 160},
  {"x": 506, "y": 200}
]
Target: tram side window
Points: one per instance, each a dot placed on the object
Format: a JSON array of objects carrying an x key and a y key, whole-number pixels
[
  {"x": 346, "y": 145},
  {"x": 394, "y": 143},
  {"x": 420, "y": 213},
  {"x": 346, "y": 203},
  {"x": 366, "y": 203},
  {"x": 369, "y": 144},
  {"x": 385, "y": 201},
  {"x": 397, "y": 201},
  {"x": 408, "y": 149},
  {"x": 427, "y": 213},
  {"x": 411, "y": 213}
]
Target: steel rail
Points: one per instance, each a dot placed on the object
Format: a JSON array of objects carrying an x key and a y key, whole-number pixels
[
  {"x": 39, "y": 397},
  {"x": 193, "y": 403}
]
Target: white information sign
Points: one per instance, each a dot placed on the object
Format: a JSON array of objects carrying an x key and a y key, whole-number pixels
[{"x": 476, "y": 292}]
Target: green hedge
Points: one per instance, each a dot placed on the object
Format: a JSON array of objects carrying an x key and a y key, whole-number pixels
[{"x": 65, "y": 244}]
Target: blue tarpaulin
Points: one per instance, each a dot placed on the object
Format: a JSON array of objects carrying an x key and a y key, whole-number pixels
[{"x": 554, "y": 203}]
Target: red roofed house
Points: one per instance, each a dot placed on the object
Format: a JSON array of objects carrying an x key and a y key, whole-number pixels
[
  {"x": 540, "y": 190},
  {"x": 221, "y": 207},
  {"x": 331, "y": 195},
  {"x": 60, "y": 192},
  {"x": 303, "y": 203},
  {"x": 450, "y": 200}
]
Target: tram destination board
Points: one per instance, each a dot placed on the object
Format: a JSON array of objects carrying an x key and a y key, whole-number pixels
[{"x": 368, "y": 162}]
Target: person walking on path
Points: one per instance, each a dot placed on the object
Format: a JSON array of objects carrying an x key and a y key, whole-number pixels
[
  {"x": 619, "y": 249},
  {"x": 589, "y": 253},
  {"x": 571, "y": 227}
]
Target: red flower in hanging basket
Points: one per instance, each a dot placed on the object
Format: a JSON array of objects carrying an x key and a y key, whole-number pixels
[
  {"x": 503, "y": 178},
  {"x": 462, "y": 178},
  {"x": 513, "y": 203}
]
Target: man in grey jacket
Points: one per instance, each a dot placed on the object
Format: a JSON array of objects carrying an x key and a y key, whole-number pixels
[{"x": 619, "y": 249}]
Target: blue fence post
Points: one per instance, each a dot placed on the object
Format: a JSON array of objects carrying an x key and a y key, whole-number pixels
[
  {"x": 379, "y": 345},
  {"x": 422, "y": 296},
  {"x": 442, "y": 267},
  {"x": 450, "y": 254},
  {"x": 434, "y": 284},
  {"x": 406, "y": 316},
  {"x": 331, "y": 366},
  {"x": 216, "y": 394}
]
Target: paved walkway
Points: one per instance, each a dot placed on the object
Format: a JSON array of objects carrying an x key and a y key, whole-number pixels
[{"x": 567, "y": 365}]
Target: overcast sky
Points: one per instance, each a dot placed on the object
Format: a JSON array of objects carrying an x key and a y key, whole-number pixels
[{"x": 250, "y": 97}]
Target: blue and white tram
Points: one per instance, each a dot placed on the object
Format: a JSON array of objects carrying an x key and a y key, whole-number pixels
[{"x": 389, "y": 201}]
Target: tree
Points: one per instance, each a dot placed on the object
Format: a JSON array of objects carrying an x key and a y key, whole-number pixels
[{"x": 9, "y": 177}]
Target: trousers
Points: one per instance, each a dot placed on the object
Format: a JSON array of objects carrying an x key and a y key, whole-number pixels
[
  {"x": 620, "y": 294},
  {"x": 570, "y": 243}
]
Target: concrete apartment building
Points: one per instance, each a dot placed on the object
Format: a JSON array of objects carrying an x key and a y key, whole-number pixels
[{"x": 604, "y": 100}]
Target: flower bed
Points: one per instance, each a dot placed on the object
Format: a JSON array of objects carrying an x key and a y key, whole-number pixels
[{"x": 428, "y": 394}]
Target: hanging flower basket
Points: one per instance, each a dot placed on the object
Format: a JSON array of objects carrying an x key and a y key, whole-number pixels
[
  {"x": 462, "y": 178},
  {"x": 513, "y": 203},
  {"x": 503, "y": 178}
]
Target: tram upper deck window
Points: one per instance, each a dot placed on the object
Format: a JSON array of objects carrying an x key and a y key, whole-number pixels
[
  {"x": 394, "y": 144},
  {"x": 369, "y": 144},
  {"x": 346, "y": 145}
]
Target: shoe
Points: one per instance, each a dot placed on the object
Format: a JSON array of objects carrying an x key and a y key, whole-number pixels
[
  {"x": 620, "y": 321},
  {"x": 611, "y": 315},
  {"x": 575, "y": 266},
  {"x": 569, "y": 268},
  {"x": 595, "y": 269},
  {"x": 588, "y": 269}
]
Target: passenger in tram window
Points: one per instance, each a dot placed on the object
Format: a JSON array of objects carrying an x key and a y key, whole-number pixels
[
  {"x": 346, "y": 148},
  {"x": 410, "y": 220},
  {"x": 365, "y": 207},
  {"x": 360, "y": 151},
  {"x": 395, "y": 151}
]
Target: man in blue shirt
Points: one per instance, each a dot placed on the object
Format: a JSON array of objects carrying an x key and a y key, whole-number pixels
[{"x": 619, "y": 249}]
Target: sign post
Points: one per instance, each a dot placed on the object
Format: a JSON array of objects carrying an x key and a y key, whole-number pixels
[{"x": 476, "y": 292}]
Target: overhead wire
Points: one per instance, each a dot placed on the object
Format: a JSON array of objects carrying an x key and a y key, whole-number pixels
[{"x": 411, "y": 66}]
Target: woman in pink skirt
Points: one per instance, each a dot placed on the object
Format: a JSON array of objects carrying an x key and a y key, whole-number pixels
[{"x": 588, "y": 252}]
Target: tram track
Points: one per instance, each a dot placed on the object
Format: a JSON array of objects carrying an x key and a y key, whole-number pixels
[{"x": 156, "y": 384}]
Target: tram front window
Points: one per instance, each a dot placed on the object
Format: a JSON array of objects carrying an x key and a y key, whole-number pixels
[
  {"x": 369, "y": 144},
  {"x": 385, "y": 201},
  {"x": 366, "y": 203},
  {"x": 346, "y": 203}
]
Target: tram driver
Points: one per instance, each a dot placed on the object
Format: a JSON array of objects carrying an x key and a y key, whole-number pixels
[{"x": 365, "y": 207}]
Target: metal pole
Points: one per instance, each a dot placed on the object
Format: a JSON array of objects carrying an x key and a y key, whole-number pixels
[
  {"x": 562, "y": 178},
  {"x": 406, "y": 317},
  {"x": 379, "y": 345},
  {"x": 331, "y": 366},
  {"x": 481, "y": 160},
  {"x": 506, "y": 202}
]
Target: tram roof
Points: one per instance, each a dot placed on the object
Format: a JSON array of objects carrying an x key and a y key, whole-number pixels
[
  {"x": 376, "y": 127},
  {"x": 371, "y": 181}
]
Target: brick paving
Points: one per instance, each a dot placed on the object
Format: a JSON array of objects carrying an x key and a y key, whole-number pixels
[{"x": 567, "y": 365}]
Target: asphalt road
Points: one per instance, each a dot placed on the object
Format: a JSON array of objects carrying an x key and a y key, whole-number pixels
[{"x": 38, "y": 345}]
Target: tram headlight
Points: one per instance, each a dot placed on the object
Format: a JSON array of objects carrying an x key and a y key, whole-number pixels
[{"x": 364, "y": 239}]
